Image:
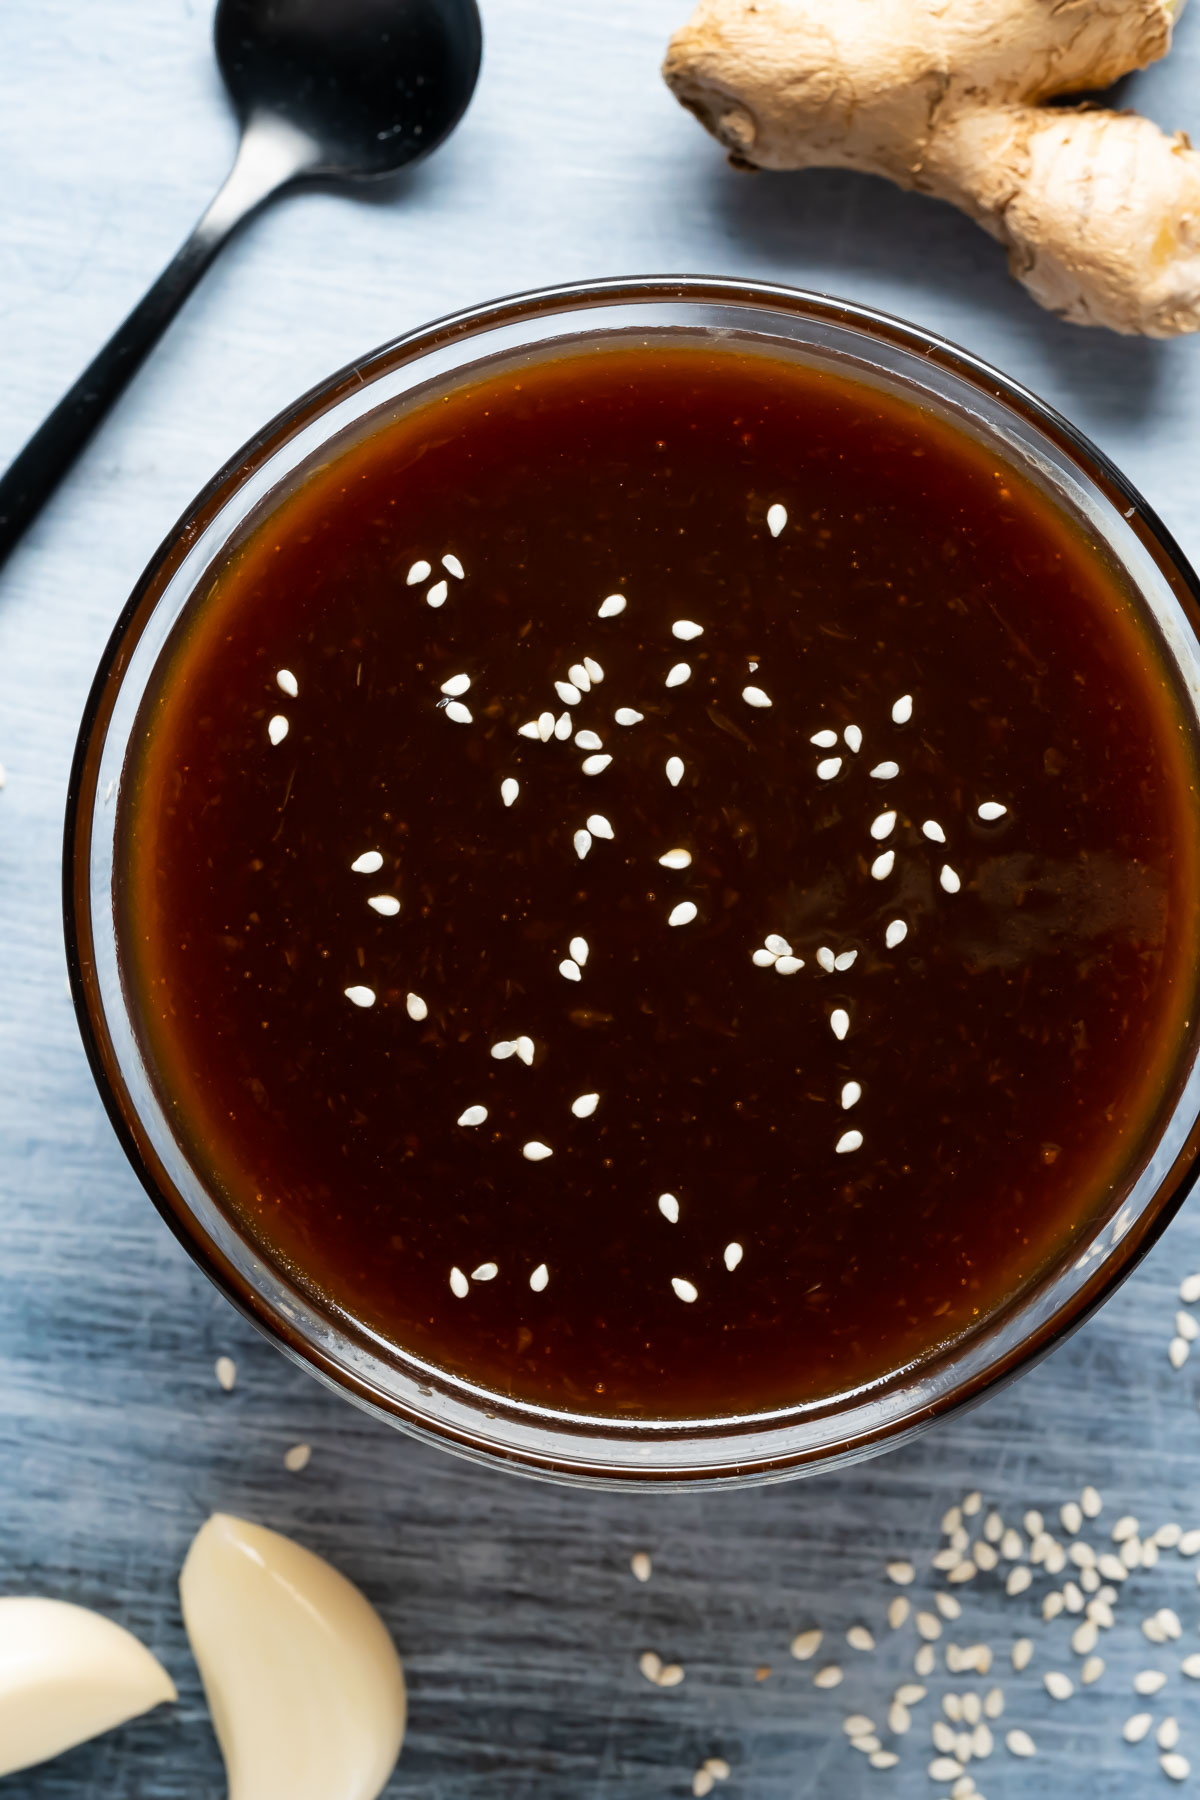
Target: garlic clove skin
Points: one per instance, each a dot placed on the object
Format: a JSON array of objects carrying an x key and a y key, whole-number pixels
[
  {"x": 66, "y": 1675},
  {"x": 303, "y": 1682}
]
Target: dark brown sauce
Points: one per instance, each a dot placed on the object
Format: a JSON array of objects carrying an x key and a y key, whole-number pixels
[{"x": 1012, "y": 1052}]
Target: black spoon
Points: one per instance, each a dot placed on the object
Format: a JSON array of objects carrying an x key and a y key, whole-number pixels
[{"x": 336, "y": 90}]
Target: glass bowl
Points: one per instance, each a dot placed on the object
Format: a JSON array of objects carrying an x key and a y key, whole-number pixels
[{"x": 387, "y": 1382}]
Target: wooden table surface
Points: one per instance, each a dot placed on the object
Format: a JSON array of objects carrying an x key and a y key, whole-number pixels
[{"x": 512, "y": 1601}]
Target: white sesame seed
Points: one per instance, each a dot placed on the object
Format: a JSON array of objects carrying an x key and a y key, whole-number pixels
[
  {"x": 683, "y": 914},
  {"x": 568, "y": 693},
  {"x": 1167, "y": 1735},
  {"x": 287, "y": 681},
  {"x": 923, "y": 1661},
  {"x": 779, "y": 946},
  {"x": 503, "y": 1049},
  {"x": 963, "y": 1571},
  {"x": 452, "y": 566},
  {"x": 460, "y": 1287},
  {"x": 1020, "y": 1743},
  {"x": 885, "y": 771},
  {"x": 1034, "y": 1524},
  {"x": 676, "y": 859},
  {"x": 595, "y": 672},
  {"x": 545, "y": 726},
  {"x": 1022, "y": 1650},
  {"x": 1177, "y": 1767},
  {"x": 360, "y": 996},
  {"x": 733, "y": 1256},
  {"x": 510, "y": 787},
  {"x": 846, "y": 960},
  {"x": 277, "y": 728},
  {"x": 639, "y": 1562},
  {"x": 991, "y": 809},
  {"x": 902, "y": 1573},
  {"x": 456, "y": 685},
  {"x": 474, "y": 1115},
  {"x": 788, "y": 965},
  {"x": 717, "y": 1767},
  {"x": 754, "y": 696},
  {"x": 859, "y": 1638},
  {"x": 297, "y": 1458},
  {"x": 929, "y": 1626},
  {"x": 487, "y": 1271},
  {"x": 535, "y": 1151},
  {"x": 387, "y": 904},
  {"x": 933, "y": 831},
  {"x": 898, "y": 1611},
  {"x": 1186, "y": 1326},
  {"x": 776, "y": 518},
  {"x": 1083, "y": 1638},
  {"x": 910, "y": 1693},
  {"x": 1011, "y": 1545},
  {"x": 585, "y": 1105},
  {"x": 826, "y": 958},
  {"x": 993, "y": 1702},
  {"x": 824, "y": 740},
  {"x": 1191, "y": 1666},
  {"x": 529, "y": 730},
  {"x": 668, "y": 1206},
  {"x": 853, "y": 739},
  {"x": 1052, "y": 1605},
  {"x": 1101, "y": 1613},
  {"x": 828, "y": 768},
  {"x": 982, "y": 1741},
  {"x": 895, "y": 934},
  {"x": 899, "y": 1719},
  {"x": 948, "y": 1606},
  {"x": 674, "y": 770},
  {"x": 524, "y": 1050},
  {"x": 851, "y": 1095},
  {"x": 883, "y": 1759},
  {"x": 539, "y": 1278},
  {"x": 902, "y": 710},
  {"x": 677, "y": 674},
  {"x": 418, "y": 572},
  {"x": 1189, "y": 1289},
  {"x": 806, "y": 1644},
  {"x": 563, "y": 727},
  {"x": 849, "y": 1140},
  {"x": 595, "y": 765},
  {"x": 828, "y": 1677},
  {"x": 625, "y": 715},
  {"x": 588, "y": 740},
  {"x": 599, "y": 826},
  {"x": 226, "y": 1372},
  {"x": 686, "y": 629},
  {"x": 839, "y": 1022},
  {"x": 1091, "y": 1503},
  {"x": 949, "y": 880},
  {"x": 883, "y": 865},
  {"x": 685, "y": 1290},
  {"x": 1089, "y": 1580},
  {"x": 579, "y": 950},
  {"x": 1169, "y": 1620},
  {"x": 650, "y": 1665},
  {"x": 1131, "y": 1553},
  {"x": 858, "y": 1725},
  {"x": 1126, "y": 1527},
  {"x": 578, "y": 674},
  {"x": 437, "y": 594},
  {"x": 944, "y": 1768},
  {"x": 609, "y": 608},
  {"x": 569, "y": 969},
  {"x": 986, "y": 1556},
  {"x": 460, "y": 714},
  {"x": 1189, "y": 1543},
  {"x": 1178, "y": 1351},
  {"x": 764, "y": 959},
  {"x": 671, "y": 1676},
  {"x": 702, "y": 1784},
  {"x": 1148, "y": 1681},
  {"x": 1135, "y": 1728},
  {"x": 883, "y": 826},
  {"x": 1017, "y": 1580},
  {"x": 1071, "y": 1515},
  {"x": 583, "y": 843},
  {"x": 1111, "y": 1567}
]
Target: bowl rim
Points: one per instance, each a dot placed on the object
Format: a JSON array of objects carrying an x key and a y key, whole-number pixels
[{"x": 526, "y": 307}]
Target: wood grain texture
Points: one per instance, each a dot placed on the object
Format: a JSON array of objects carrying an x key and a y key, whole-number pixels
[{"x": 512, "y": 1601}]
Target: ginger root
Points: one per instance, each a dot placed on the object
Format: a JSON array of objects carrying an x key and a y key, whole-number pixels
[{"x": 1099, "y": 211}]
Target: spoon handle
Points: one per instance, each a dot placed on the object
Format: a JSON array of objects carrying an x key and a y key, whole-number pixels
[{"x": 269, "y": 156}]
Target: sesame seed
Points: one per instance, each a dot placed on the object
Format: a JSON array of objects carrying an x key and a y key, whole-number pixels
[
  {"x": 534, "y": 1151},
  {"x": 360, "y": 996},
  {"x": 902, "y": 710},
  {"x": 1022, "y": 1651},
  {"x": 568, "y": 693},
  {"x": 986, "y": 1556},
  {"x": 849, "y": 1140},
  {"x": 1186, "y": 1327},
  {"x": 545, "y": 725},
  {"x": 883, "y": 1759},
  {"x": 1189, "y": 1543},
  {"x": 675, "y": 859},
  {"x": 626, "y": 715},
  {"x": 788, "y": 965},
  {"x": 668, "y": 1206},
  {"x": 609, "y": 608},
  {"x": 839, "y": 1022},
  {"x": 923, "y": 1661},
  {"x": 1092, "y": 1670},
  {"x": 437, "y": 594},
  {"x": 826, "y": 958},
  {"x": 828, "y": 1677},
  {"x": 452, "y": 566},
  {"x": 733, "y": 1256},
  {"x": 599, "y": 826},
  {"x": 754, "y": 696},
  {"x": 828, "y": 768},
  {"x": 949, "y": 880},
  {"x": 460, "y": 714},
  {"x": 883, "y": 865},
  {"x": 539, "y": 1278},
  {"x": 806, "y": 1644},
  {"x": 524, "y": 1049},
  {"x": 579, "y": 950},
  {"x": 764, "y": 959},
  {"x": 456, "y": 685},
  {"x": 474, "y": 1115},
  {"x": 1052, "y": 1605},
  {"x": 885, "y": 771},
  {"x": 570, "y": 969},
  {"x": 459, "y": 1285},
  {"x": 510, "y": 787},
  {"x": 824, "y": 740},
  {"x": 486, "y": 1271},
  {"x": 639, "y": 1562},
  {"x": 933, "y": 831},
  {"x": 991, "y": 809},
  {"x": 583, "y": 843},
  {"x": 944, "y": 1768},
  {"x": 1167, "y": 1735},
  {"x": 683, "y": 914},
  {"x": 671, "y": 1676},
  {"x": 277, "y": 728},
  {"x": 650, "y": 1665},
  {"x": 686, "y": 629},
  {"x": 846, "y": 960},
  {"x": 226, "y": 1372},
  {"x": 418, "y": 572},
  {"x": 685, "y": 1290},
  {"x": 1169, "y": 1620},
  {"x": 718, "y": 1767},
  {"x": 859, "y": 1638},
  {"x": 902, "y": 1573},
  {"x": 1091, "y": 1503},
  {"x": 503, "y": 1049},
  {"x": 1018, "y": 1580},
  {"x": 1111, "y": 1567},
  {"x": 1189, "y": 1289},
  {"x": 1177, "y": 1767},
  {"x": 702, "y": 1784},
  {"x": 776, "y": 518},
  {"x": 529, "y": 730},
  {"x": 387, "y": 904},
  {"x": 579, "y": 675},
  {"x": 677, "y": 674},
  {"x": 1178, "y": 1351},
  {"x": 853, "y": 739},
  {"x": 417, "y": 1008},
  {"x": 1126, "y": 1527},
  {"x": 895, "y": 934},
  {"x": 982, "y": 1741},
  {"x": 929, "y": 1626},
  {"x": 588, "y": 740},
  {"x": 1148, "y": 1681},
  {"x": 287, "y": 681},
  {"x": 1083, "y": 1638},
  {"x": 1071, "y": 1515},
  {"x": 883, "y": 826},
  {"x": 948, "y": 1606},
  {"x": 595, "y": 765},
  {"x": 1135, "y": 1728},
  {"x": 563, "y": 727},
  {"x": 1010, "y": 1545},
  {"x": 1020, "y": 1743},
  {"x": 851, "y": 1095},
  {"x": 297, "y": 1458},
  {"x": 1191, "y": 1666},
  {"x": 899, "y": 1718},
  {"x": 858, "y": 1725},
  {"x": 963, "y": 1571},
  {"x": 674, "y": 770},
  {"x": 898, "y": 1611},
  {"x": 595, "y": 672},
  {"x": 585, "y": 1105}
]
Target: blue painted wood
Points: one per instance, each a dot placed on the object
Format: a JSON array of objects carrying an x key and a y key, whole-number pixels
[{"x": 512, "y": 1602}]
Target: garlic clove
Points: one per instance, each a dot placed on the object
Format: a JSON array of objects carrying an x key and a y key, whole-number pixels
[
  {"x": 303, "y": 1682},
  {"x": 66, "y": 1675}
]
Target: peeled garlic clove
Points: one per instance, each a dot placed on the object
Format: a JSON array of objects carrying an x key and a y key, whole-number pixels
[
  {"x": 303, "y": 1682},
  {"x": 66, "y": 1675}
]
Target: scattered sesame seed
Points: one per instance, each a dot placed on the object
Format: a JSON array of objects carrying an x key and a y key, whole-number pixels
[
  {"x": 1135, "y": 1728},
  {"x": 639, "y": 1562},
  {"x": 683, "y": 914},
  {"x": 853, "y": 739},
  {"x": 588, "y": 740},
  {"x": 459, "y": 1285},
  {"x": 788, "y": 965},
  {"x": 474, "y": 1115},
  {"x": 1148, "y": 1681},
  {"x": 539, "y": 1278},
  {"x": 674, "y": 770},
  {"x": 1178, "y": 1351},
  {"x": 828, "y": 768},
  {"x": 933, "y": 831},
  {"x": 510, "y": 787},
  {"x": 895, "y": 934},
  {"x": 668, "y": 1206},
  {"x": 948, "y": 1606},
  {"x": 902, "y": 1573},
  {"x": 1011, "y": 1545},
  {"x": 524, "y": 1049},
  {"x": 733, "y": 1256},
  {"x": 452, "y": 566},
  {"x": 899, "y": 1718},
  {"x": 859, "y": 1638},
  {"x": 570, "y": 969},
  {"x": 486, "y": 1271},
  {"x": 1189, "y": 1543},
  {"x": 944, "y": 1768},
  {"x": 949, "y": 880},
  {"x": 686, "y": 629},
  {"x": 982, "y": 1741},
  {"x": 851, "y": 1095},
  {"x": 1126, "y": 1527},
  {"x": 858, "y": 1725},
  {"x": 702, "y": 1783},
  {"x": 599, "y": 826},
  {"x": 676, "y": 859},
  {"x": 226, "y": 1373},
  {"x": 563, "y": 727},
  {"x": 579, "y": 950},
  {"x": 545, "y": 725},
  {"x": 885, "y": 771},
  {"x": 839, "y": 1022},
  {"x": 685, "y": 1290},
  {"x": 616, "y": 603},
  {"x": 883, "y": 1759},
  {"x": 828, "y": 1677},
  {"x": 986, "y": 1556},
  {"x": 360, "y": 996},
  {"x": 418, "y": 572},
  {"x": 1020, "y": 1743},
  {"x": 845, "y": 960},
  {"x": 534, "y": 1151},
  {"x": 991, "y": 809},
  {"x": 717, "y": 1767},
  {"x": 826, "y": 958},
  {"x": 1083, "y": 1638},
  {"x": 671, "y": 1676},
  {"x": 460, "y": 714},
  {"x": 923, "y": 1661},
  {"x": 824, "y": 740},
  {"x": 626, "y": 715},
  {"x": 902, "y": 710},
  {"x": 277, "y": 728},
  {"x": 579, "y": 675},
  {"x": 1186, "y": 1326},
  {"x": 568, "y": 693},
  {"x": 883, "y": 865},
  {"x": 898, "y": 1611},
  {"x": 297, "y": 1458},
  {"x": 677, "y": 674},
  {"x": 1189, "y": 1289},
  {"x": 849, "y": 1140},
  {"x": 1177, "y": 1767},
  {"x": 1071, "y": 1515},
  {"x": 1091, "y": 1503},
  {"x": 585, "y": 1105},
  {"x": 583, "y": 843},
  {"x": 529, "y": 730},
  {"x": 595, "y": 765},
  {"x": 1018, "y": 1580},
  {"x": 650, "y": 1665},
  {"x": 456, "y": 685},
  {"x": 1191, "y": 1666},
  {"x": 387, "y": 904},
  {"x": 416, "y": 1007},
  {"x": 929, "y": 1626},
  {"x": 754, "y": 696},
  {"x": 883, "y": 826},
  {"x": 1167, "y": 1735},
  {"x": 594, "y": 670},
  {"x": 776, "y": 518},
  {"x": 806, "y": 1644},
  {"x": 437, "y": 594},
  {"x": 287, "y": 681},
  {"x": 1052, "y": 1605}
]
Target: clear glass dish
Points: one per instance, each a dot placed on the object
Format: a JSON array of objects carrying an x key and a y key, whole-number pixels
[{"x": 415, "y": 1396}]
